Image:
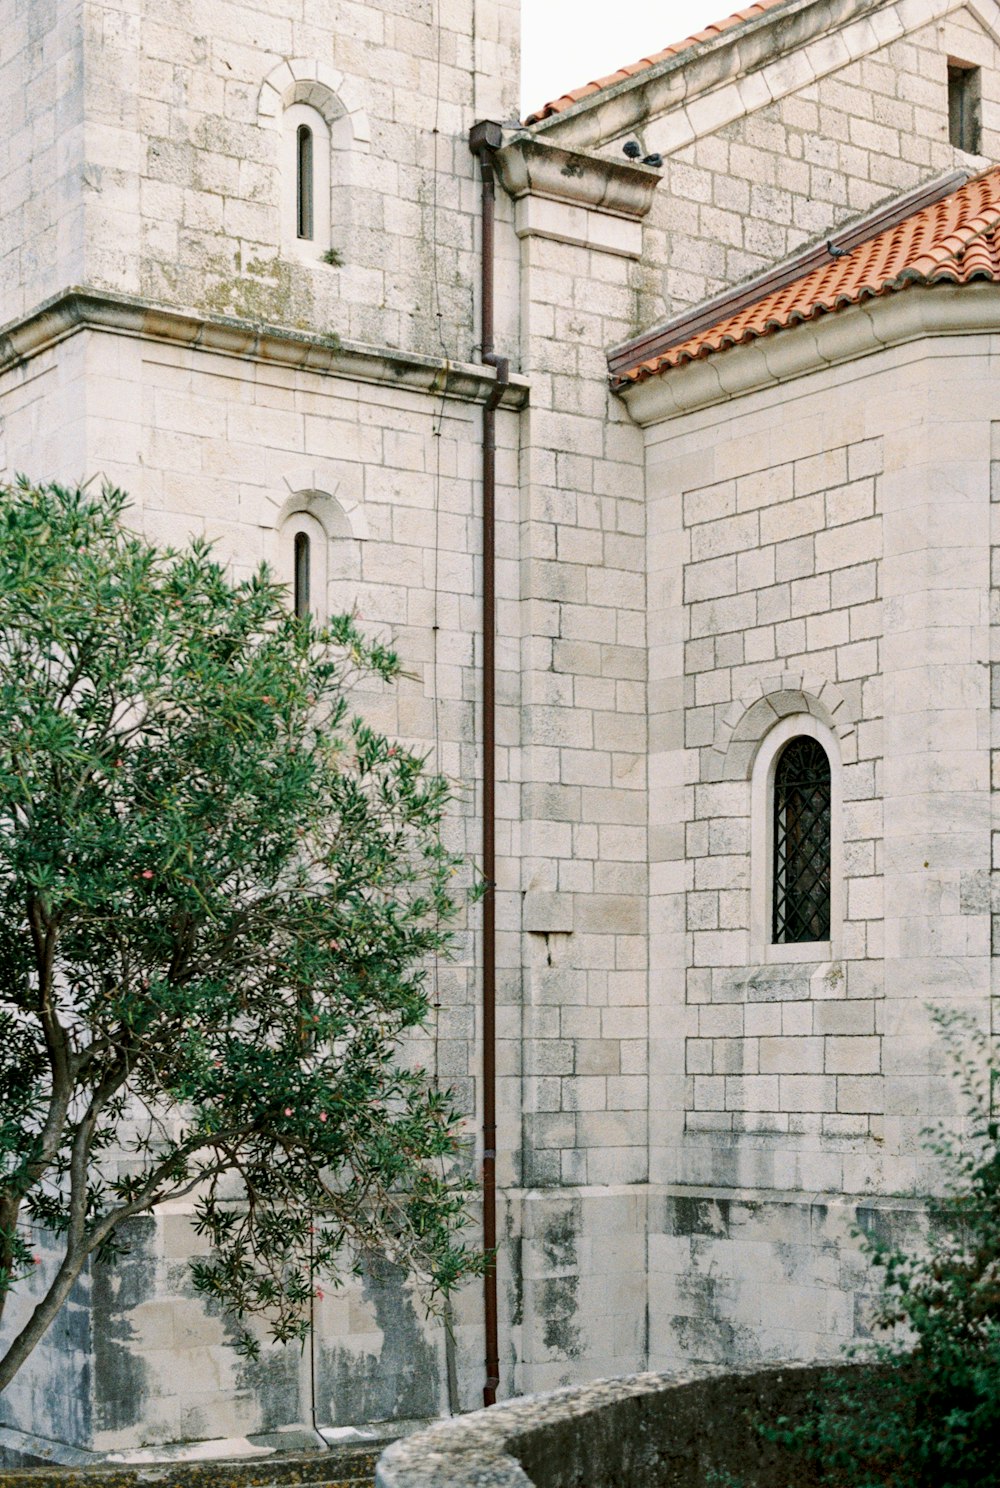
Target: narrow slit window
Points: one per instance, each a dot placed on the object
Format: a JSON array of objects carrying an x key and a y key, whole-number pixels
[
  {"x": 964, "y": 98},
  {"x": 304, "y": 181},
  {"x": 802, "y": 795},
  {"x": 302, "y": 575}
]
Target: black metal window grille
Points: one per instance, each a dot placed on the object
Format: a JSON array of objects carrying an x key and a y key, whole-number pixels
[{"x": 801, "y": 843}]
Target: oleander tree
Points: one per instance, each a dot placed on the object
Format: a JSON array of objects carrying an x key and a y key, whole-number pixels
[{"x": 220, "y": 893}]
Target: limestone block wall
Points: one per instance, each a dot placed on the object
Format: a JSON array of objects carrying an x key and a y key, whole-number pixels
[
  {"x": 787, "y": 1043},
  {"x": 579, "y": 1212},
  {"x": 144, "y": 155},
  {"x": 41, "y": 152},
  {"x": 859, "y": 498},
  {"x": 749, "y": 193}
]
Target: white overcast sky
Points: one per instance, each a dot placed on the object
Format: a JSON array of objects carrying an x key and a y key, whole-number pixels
[{"x": 566, "y": 43}]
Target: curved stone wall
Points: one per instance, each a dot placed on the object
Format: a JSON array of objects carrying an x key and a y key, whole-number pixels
[{"x": 654, "y": 1430}]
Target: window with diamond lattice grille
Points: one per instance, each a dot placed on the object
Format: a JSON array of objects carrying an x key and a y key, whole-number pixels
[{"x": 801, "y": 843}]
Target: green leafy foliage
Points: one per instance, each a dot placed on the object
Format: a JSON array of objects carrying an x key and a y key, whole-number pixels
[
  {"x": 219, "y": 895},
  {"x": 926, "y": 1412}
]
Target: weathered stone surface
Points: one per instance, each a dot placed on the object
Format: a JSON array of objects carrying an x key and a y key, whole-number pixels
[{"x": 660, "y": 1430}]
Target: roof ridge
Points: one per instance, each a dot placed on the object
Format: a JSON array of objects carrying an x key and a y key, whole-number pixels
[{"x": 622, "y": 74}]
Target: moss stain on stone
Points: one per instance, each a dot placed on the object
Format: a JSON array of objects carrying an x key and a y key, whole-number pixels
[{"x": 558, "y": 1304}]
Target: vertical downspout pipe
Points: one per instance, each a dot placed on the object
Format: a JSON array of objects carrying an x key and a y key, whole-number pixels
[{"x": 485, "y": 137}]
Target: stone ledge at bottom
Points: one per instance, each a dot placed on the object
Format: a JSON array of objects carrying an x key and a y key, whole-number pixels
[{"x": 657, "y": 1430}]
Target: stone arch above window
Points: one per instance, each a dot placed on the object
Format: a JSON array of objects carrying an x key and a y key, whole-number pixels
[
  {"x": 338, "y": 519},
  {"x": 318, "y": 552},
  {"x": 323, "y": 129},
  {"x": 755, "y": 712},
  {"x": 336, "y": 98}
]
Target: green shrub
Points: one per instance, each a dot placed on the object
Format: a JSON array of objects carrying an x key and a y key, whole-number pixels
[{"x": 926, "y": 1412}]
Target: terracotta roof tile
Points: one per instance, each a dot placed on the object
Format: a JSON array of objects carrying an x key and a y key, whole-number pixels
[
  {"x": 559, "y": 105},
  {"x": 953, "y": 241}
]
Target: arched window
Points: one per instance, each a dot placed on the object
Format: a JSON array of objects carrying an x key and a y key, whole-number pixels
[
  {"x": 303, "y": 574},
  {"x": 303, "y": 564},
  {"x": 316, "y": 554},
  {"x": 304, "y": 183},
  {"x": 802, "y": 843},
  {"x": 796, "y": 842}
]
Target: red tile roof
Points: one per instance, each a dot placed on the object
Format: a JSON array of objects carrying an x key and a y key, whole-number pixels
[
  {"x": 953, "y": 241},
  {"x": 559, "y": 105}
]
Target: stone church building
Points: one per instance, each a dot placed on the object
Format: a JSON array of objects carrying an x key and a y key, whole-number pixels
[{"x": 708, "y": 409}]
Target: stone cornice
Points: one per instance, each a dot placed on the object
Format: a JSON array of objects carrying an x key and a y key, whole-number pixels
[
  {"x": 533, "y": 167},
  {"x": 79, "y": 309},
  {"x": 844, "y": 336}
]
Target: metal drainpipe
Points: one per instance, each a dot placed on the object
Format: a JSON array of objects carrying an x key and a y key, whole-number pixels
[{"x": 485, "y": 137}]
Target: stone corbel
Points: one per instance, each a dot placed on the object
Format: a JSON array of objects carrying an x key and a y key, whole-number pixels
[
  {"x": 530, "y": 166},
  {"x": 575, "y": 197}
]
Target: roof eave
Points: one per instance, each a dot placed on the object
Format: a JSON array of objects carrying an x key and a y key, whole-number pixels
[{"x": 828, "y": 341}]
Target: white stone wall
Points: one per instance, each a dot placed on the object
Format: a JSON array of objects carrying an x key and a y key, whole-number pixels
[
  {"x": 759, "y": 163},
  {"x": 672, "y": 1099},
  {"x": 860, "y": 497},
  {"x": 171, "y": 187}
]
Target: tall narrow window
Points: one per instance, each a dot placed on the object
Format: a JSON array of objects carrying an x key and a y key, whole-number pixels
[
  {"x": 964, "y": 95},
  {"x": 301, "y": 574},
  {"x": 304, "y": 180},
  {"x": 801, "y": 843}
]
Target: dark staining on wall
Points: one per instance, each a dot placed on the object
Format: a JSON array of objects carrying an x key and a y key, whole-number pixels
[
  {"x": 119, "y": 1286},
  {"x": 53, "y": 1391},
  {"x": 541, "y": 1168},
  {"x": 893, "y": 1227},
  {"x": 559, "y": 1238},
  {"x": 558, "y": 1296},
  {"x": 71, "y": 1336},
  {"x": 694, "y": 1216},
  {"x": 400, "y": 1381},
  {"x": 707, "y": 1337},
  {"x": 515, "y": 1289},
  {"x": 558, "y": 1305},
  {"x": 272, "y": 1380}
]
